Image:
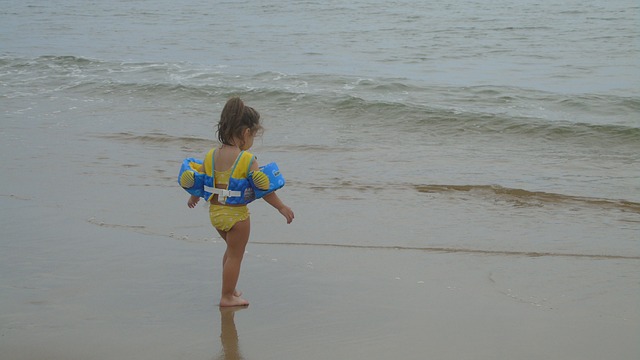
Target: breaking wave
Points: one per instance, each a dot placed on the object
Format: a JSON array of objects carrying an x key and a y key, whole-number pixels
[{"x": 393, "y": 103}]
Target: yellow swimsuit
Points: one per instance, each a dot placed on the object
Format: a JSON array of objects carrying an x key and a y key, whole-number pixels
[{"x": 224, "y": 217}]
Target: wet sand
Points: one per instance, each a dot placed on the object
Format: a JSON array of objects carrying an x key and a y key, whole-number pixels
[
  {"x": 101, "y": 259},
  {"x": 74, "y": 287}
]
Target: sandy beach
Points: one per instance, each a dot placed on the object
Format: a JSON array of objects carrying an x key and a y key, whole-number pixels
[
  {"x": 102, "y": 259},
  {"x": 115, "y": 292},
  {"x": 464, "y": 177}
]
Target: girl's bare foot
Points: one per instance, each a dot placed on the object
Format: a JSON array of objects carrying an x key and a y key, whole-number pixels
[{"x": 233, "y": 301}]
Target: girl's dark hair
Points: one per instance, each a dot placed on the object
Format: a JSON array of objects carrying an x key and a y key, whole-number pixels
[{"x": 234, "y": 119}]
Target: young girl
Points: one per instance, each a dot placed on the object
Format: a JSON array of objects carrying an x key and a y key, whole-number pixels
[{"x": 238, "y": 126}]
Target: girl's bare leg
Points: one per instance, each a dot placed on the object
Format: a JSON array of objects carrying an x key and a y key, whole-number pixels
[
  {"x": 236, "y": 240},
  {"x": 223, "y": 235}
]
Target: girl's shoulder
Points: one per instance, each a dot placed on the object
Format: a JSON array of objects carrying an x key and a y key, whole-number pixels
[{"x": 223, "y": 160}]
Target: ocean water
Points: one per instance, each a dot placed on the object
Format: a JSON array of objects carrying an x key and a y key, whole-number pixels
[{"x": 502, "y": 127}]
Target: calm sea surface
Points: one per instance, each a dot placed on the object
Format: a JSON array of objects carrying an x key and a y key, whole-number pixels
[{"x": 501, "y": 126}]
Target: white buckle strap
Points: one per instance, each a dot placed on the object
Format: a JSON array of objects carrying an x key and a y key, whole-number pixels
[{"x": 223, "y": 194}]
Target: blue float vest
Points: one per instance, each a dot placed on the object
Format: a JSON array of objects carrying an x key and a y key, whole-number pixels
[{"x": 244, "y": 185}]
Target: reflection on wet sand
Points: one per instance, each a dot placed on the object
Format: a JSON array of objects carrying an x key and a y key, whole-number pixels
[{"x": 229, "y": 335}]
